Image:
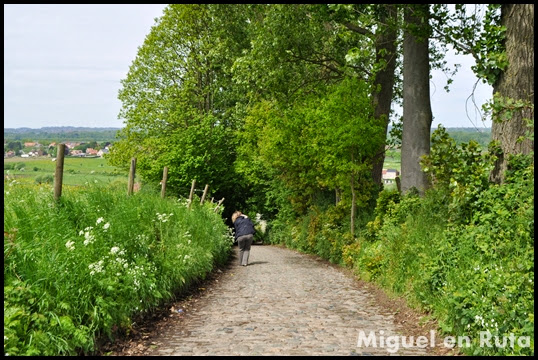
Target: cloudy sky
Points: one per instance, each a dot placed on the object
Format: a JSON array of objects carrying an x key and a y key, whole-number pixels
[{"x": 63, "y": 65}]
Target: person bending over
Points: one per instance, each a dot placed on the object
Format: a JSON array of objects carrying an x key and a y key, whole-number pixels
[{"x": 244, "y": 235}]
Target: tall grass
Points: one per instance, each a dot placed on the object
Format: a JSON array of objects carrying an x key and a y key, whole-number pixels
[{"x": 80, "y": 269}]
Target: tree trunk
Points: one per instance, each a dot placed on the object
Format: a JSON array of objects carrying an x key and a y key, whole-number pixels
[
  {"x": 353, "y": 205},
  {"x": 516, "y": 82},
  {"x": 417, "y": 114},
  {"x": 385, "y": 52},
  {"x": 338, "y": 195}
]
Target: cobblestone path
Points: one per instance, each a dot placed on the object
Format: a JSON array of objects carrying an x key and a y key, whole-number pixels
[{"x": 283, "y": 303}]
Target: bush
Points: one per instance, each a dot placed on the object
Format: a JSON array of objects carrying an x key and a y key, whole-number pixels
[{"x": 44, "y": 179}]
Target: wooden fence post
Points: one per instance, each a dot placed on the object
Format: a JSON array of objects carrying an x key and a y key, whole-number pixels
[
  {"x": 205, "y": 193},
  {"x": 58, "y": 175},
  {"x": 130, "y": 185},
  {"x": 163, "y": 182},
  {"x": 192, "y": 192},
  {"x": 220, "y": 202}
]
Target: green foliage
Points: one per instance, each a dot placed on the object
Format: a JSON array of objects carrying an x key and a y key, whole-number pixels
[
  {"x": 178, "y": 101},
  {"x": 477, "y": 32},
  {"x": 491, "y": 60},
  {"x": 464, "y": 251},
  {"x": 502, "y": 109},
  {"x": 317, "y": 144},
  {"x": 85, "y": 267},
  {"x": 463, "y": 170}
]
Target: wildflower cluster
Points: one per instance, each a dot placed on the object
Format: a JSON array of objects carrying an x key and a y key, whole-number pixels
[
  {"x": 96, "y": 267},
  {"x": 89, "y": 238},
  {"x": 163, "y": 217},
  {"x": 70, "y": 245},
  {"x": 105, "y": 226}
]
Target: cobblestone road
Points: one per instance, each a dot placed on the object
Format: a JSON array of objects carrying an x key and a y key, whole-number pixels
[{"x": 283, "y": 303}]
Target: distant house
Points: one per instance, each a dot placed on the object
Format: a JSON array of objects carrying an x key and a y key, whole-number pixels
[
  {"x": 76, "y": 153},
  {"x": 90, "y": 151},
  {"x": 30, "y": 144},
  {"x": 102, "y": 152},
  {"x": 389, "y": 175},
  {"x": 36, "y": 153}
]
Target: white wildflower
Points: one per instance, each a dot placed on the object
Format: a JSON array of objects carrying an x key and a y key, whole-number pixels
[
  {"x": 106, "y": 226},
  {"x": 96, "y": 267},
  {"x": 70, "y": 245},
  {"x": 114, "y": 249},
  {"x": 100, "y": 220},
  {"x": 88, "y": 238}
]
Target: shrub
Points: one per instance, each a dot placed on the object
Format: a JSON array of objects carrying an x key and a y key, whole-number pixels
[{"x": 44, "y": 179}]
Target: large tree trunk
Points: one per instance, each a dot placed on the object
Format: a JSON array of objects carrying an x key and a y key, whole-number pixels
[
  {"x": 384, "y": 80},
  {"x": 417, "y": 114},
  {"x": 516, "y": 82}
]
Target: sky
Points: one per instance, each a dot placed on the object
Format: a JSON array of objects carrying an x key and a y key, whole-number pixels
[{"x": 63, "y": 65}]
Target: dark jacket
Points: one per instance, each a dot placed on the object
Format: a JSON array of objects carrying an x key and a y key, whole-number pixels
[{"x": 243, "y": 226}]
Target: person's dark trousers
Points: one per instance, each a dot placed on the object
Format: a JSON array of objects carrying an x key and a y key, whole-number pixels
[{"x": 244, "y": 243}]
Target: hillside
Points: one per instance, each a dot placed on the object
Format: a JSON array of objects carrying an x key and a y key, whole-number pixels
[{"x": 61, "y": 133}]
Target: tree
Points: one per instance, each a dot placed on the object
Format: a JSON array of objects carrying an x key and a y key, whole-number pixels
[
  {"x": 417, "y": 115},
  {"x": 514, "y": 88},
  {"x": 352, "y": 136},
  {"x": 178, "y": 100},
  {"x": 327, "y": 140},
  {"x": 385, "y": 42},
  {"x": 14, "y": 146},
  {"x": 299, "y": 47},
  {"x": 502, "y": 44}
]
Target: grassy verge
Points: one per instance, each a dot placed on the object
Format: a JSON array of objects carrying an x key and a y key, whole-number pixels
[{"x": 81, "y": 269}]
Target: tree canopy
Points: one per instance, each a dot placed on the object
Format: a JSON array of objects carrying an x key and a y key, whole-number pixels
[{"x": 273, "y": 104}]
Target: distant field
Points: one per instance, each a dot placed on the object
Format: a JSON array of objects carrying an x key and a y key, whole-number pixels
[
  {"x": 77, "y": 171},
  {"x": 393, "y": 160}
]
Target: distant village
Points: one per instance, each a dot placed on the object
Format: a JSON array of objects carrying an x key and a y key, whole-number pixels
[
  {"x": 35, "y": 149},
  {"x": 79, "y": 149},
  {"x": 92, "y": 149}
]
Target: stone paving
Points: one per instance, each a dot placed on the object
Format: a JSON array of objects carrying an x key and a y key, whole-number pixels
[{"x": 284, "y": 303}]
